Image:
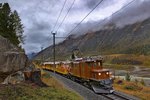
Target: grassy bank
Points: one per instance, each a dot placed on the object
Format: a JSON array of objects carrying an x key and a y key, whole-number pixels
[
  {"x": 47, "y": 79},
  {"x": 133, "y": 88},
  {"x": 30, "y": 91}
]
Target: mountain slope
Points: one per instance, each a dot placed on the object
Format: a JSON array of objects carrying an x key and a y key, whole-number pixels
[{"x": 131, "y": 39}]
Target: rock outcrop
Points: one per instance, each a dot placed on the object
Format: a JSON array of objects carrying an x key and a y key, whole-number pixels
[{"x": 12, "y": 58}]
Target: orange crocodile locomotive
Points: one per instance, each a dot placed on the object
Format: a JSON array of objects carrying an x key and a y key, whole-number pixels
[{"x": 88, "y": 71}]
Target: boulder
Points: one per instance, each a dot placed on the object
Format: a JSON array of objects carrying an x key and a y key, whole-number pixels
[
  {"x": 12, "y": 58},
  {"x": 15, "y": 78}
]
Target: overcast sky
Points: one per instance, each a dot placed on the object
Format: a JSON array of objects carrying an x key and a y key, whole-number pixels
[{"x": 39, "y": 17}]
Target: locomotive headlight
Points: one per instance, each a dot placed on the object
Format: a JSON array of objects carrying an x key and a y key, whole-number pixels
[
  {"x": 107, "y": 73},
  {"x": 99, "y": 74}
]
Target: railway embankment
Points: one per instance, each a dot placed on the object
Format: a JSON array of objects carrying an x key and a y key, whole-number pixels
[
  {"x": 88, "y": 94},
  {"x": 29, "y": 90}
]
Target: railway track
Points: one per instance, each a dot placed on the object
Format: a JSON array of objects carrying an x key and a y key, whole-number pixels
[
  {"x": 115, "y": 97},
  {"x": 87, "y": 93}
]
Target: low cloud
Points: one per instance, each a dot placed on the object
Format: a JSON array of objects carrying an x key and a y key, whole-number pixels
[{"x": 39, "y": 16}]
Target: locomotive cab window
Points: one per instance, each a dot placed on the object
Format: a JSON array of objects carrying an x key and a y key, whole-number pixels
[
  {"x": 99, "y": 63},
  {"x": 94, "y": 64},
  {"x": 90, "y": 64}
]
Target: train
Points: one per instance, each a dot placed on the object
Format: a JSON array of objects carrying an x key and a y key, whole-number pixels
[{"x": 88, "y": 71}]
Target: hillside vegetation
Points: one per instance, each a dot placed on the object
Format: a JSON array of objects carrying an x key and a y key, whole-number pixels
[
  {"x": 131, "y": 39},
  {"x": 128, "y": 59}
]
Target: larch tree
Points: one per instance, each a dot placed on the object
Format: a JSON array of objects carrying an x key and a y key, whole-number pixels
[{"x": 10, "y": 25}]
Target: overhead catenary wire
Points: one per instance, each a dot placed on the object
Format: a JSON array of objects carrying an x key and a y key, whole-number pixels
[
  {"x": 100, "y": 22},
  {"x": 59, "y": 15},
  {"x": 117, "y": 11},
  {"x": 85, "y": 17},
  {"x": 66, "y": 15},
  {"x": 102, "y": 42}
]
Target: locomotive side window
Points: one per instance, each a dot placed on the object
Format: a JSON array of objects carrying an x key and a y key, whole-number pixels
[
  {"x": 72, "y": 64},
  {"x": 83, "y": 67},
  {"x": 94, "y": 64},
  {"x": 90, "y": 64},
  {"x": 99, "y": 64},
  {"x": 82, "y": 64}
]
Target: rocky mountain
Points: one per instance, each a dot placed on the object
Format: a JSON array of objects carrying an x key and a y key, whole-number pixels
[
  {"x": 12, "y": 58},
  {"x": 130, "y": 39},
  {"x": 31, "y": 55}
]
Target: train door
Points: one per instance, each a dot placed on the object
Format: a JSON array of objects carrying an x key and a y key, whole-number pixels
[
  {"x": 88, "y": 68},
  {"x": 82, "y": 70},
  {"x": 77, "y": 69}
]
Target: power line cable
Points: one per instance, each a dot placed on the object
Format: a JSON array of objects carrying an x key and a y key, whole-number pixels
[
  {"x": 85, "y": 17},
  {"x": 102, "y": 42},
  {"x": 118, "y": 10},
  {"x": 66, "y": 15},
  {"x": 59, "y": 15},
  {"x": 101, "y": 21}
]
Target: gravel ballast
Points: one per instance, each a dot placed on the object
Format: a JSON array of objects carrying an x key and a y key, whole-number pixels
[{"x": 86, "y": 93}]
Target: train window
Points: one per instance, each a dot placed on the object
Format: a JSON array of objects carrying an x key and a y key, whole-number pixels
[
  {"x": 82, "y": 64},
  {"x": 76, "y": 65},
  {"x": 99, "y": 64},
  {"x": 94, "y": 64},
  {"x": 72, "y": 64},
  {"x": 83, "y": 68},
  {"x": 90, "y": 64}
]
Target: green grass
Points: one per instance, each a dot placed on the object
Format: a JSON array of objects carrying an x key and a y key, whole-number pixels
[{"x": 26, "y": 91}]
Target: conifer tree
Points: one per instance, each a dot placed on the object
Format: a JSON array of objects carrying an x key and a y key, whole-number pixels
[{"x": 10, "y": 24}]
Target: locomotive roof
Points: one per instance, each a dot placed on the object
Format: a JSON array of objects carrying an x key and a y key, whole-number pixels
[
  {"x": 58, "y": 62},
  {"x": 88, "y": 59},
  {"x": 65, "y": 62},
  {"x": 50, "y": 63},
  {"x": 77, "y": 60}
]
